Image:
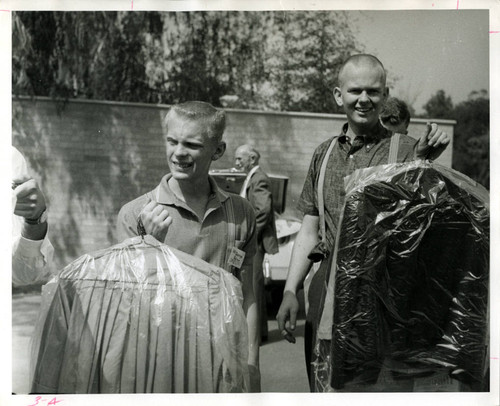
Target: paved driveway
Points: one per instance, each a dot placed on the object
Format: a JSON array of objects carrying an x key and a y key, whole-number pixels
[{"x": 24, "y": 315}]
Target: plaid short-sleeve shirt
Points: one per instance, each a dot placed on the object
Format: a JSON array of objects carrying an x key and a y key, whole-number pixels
[{"x": 341, "y": 164}]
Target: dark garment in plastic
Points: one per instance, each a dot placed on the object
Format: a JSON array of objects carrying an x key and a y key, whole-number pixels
[{"x": 411, "y": 278}]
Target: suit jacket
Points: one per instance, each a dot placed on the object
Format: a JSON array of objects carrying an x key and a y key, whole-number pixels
[{"x": 258, "y": 193}]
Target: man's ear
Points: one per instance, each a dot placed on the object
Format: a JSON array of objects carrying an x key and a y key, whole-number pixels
[
  {"x": 221, "y": 148},
  {"x": 337, "y": 94}
]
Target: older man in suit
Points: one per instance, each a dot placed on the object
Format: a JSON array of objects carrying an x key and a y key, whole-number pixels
[{"x": 257, "y": 189}]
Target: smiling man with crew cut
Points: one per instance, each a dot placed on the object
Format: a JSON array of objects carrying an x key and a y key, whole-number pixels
[{"x": 361, "y": 91}]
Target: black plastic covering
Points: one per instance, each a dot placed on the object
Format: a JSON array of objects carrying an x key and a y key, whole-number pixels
[{"x": 408, "y": 292}]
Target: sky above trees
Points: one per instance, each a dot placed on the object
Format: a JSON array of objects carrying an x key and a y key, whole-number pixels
[{"x": 428, "y": 50}]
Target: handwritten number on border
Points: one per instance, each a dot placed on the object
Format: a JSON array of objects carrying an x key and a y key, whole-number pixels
[{"x": 39, "y": 399}]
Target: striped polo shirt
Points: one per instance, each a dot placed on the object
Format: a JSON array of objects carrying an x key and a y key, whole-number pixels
[{"x": 204, "y": 238}]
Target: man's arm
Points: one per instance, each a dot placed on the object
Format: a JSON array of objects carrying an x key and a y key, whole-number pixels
[
  {"x": 31, "y": 260},
  {"x": 30, "y": 204},
  {"x": 126, "y": 223},
  {"x": 432, "y": 144},
  {"x": 306, "y": 240},
  {"x": 31, "y": 249}
]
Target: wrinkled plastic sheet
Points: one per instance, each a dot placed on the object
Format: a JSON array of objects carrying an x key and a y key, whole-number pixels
[
  {"x": 407, "y": 302},
  {"x": 141, "y": 317}
]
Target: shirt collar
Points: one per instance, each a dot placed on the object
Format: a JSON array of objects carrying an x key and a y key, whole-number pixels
[
  {"x": 374, "y": 137},
  {"x": 164, "y": 194},
  {"x": 243, "y": 192},
  {"x": 252, "y": 171}
]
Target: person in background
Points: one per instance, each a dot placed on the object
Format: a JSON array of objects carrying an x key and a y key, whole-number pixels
[
  {"x": 363, "y": 142},
  {"x": 31, "y": 249},
  {"x": 257, "y": 189},
  {"x": 189, "y": 212},
  {"x": 395, "y": 116}
]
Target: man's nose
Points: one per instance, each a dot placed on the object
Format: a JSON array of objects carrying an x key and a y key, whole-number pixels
[
  {"x": 180, "y": 150},
  {"x": 363, "y": 97}
]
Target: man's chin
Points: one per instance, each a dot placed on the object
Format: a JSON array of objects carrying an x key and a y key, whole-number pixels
[
  {"x": 181, "y": 175},
  {"x": 366, "y": 121}
]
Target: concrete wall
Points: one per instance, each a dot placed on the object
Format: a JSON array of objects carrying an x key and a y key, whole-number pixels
[{"x": 92, "y": 157}]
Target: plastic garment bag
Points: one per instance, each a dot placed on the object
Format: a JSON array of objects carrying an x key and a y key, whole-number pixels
[
  {"x": 407, "y": 296},
  {"x": 140, "y": 317}
]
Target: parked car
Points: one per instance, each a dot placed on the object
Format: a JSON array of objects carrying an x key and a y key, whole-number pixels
[
  {"x": 231, "y": 180},
  {"x": 276, "y": 265}
]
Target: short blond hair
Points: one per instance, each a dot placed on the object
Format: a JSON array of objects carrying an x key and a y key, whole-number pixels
[{"x": 202, "y": 112}]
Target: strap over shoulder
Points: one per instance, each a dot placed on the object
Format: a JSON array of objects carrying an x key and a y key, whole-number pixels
[
  {"x": 321, "y": 185},
  {"x": 393, "y": 148},
  {"x": 231, "y": 234}
]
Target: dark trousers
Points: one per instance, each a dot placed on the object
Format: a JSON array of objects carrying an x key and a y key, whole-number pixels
[{"x": 259, "y": 292}]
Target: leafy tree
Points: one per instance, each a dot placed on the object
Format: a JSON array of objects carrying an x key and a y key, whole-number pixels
[
  {"x": 439, "y": 106},
  {"x": 86, "y": 54},
  {"x": 265, "y": 60},
  {"x": 471, "y": 134},
  {"x": 273, "y": 60},
  {"x": 471, "y": 153},
  {"x": 317, "y": 44}
]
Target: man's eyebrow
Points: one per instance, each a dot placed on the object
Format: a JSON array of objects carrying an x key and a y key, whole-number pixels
[
  {"x": 361, "y": 87},
  {"x": 194, "y": 142}
]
